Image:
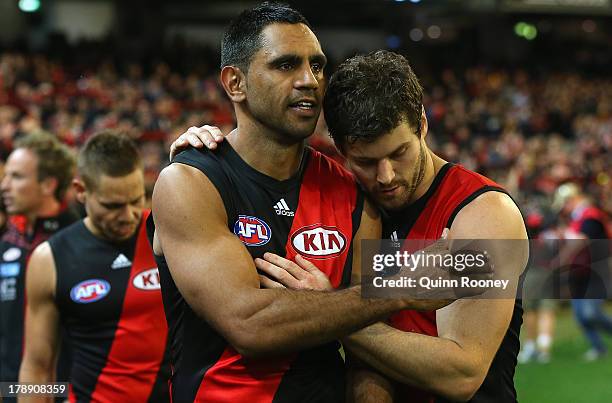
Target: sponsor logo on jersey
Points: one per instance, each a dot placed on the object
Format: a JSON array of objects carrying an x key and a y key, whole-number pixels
[
  {"x": 147, "y": 280},
  {"x": 11, "y": 254},
  {"x": 319, "y": 241},
  {"x": 89, "y": 291},
  {"x": 282, "y": 208},
  {"x": 252, "y": 231}
]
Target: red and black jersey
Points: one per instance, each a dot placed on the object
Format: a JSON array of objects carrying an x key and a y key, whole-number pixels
[
  {"x": 109, "y": 300},
  {"x": 315, "y": 213},
  {"x": 16, "y": 246},
  {"x": 453, "y": 188},
  {"x": 584, "y": 276},
  {"x": 590, "y": 221}
]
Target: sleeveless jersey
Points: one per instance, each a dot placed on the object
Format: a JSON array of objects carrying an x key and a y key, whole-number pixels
[
  {"x": 109, "y": 300},
  {"x": 452, "y": 189},
  {"x": 315, "y": 213},
  {"x": 15, "y": 249},
  {"x": 585, "y": 281}
]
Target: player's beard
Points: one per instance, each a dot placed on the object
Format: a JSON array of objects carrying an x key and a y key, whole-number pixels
[
  {"x": 406, "y": 198},
  {"x": 419, "y": 174}
]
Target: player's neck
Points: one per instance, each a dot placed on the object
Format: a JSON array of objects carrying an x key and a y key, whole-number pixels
[
  {"x": 433, "y": 164},
  {"x": 94, "y": 230},
  {"x": 261, "y": 152}
]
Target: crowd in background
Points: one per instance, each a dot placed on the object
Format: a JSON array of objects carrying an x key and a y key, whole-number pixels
[{"x": 530, "y": 132}]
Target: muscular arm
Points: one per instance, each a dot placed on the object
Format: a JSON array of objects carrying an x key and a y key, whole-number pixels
[
  {"x": 41, "y": 327},
  {"x": 455, "y": 363},
  {"x": 217, "y": 277}
]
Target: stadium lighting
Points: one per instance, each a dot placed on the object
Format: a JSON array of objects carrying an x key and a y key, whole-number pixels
[
  {"x": 434, "y": 32},
  {"x": 531, "y": 32},
  {"x": 415, "y": 1},
  {"x": 527, "y": 31},
  {"x": 589, "y": 26},
  {"x": 518, "y": 28},
  {"x": 29, "y": 6},
  {"x": 416, "y": 34}
]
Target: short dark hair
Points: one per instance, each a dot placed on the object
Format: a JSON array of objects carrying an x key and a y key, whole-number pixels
[
  {"x": 55, "y": 160},
  {"x": 370, "y": 95},
  {"x": 107, "y": 153},
  {"x": 243, "y": 36}
]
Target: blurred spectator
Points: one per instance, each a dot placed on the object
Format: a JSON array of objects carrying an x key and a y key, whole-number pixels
[
  {"x": 539, "y": 315},
  {"x": 587, "y": 222},
  {"x": 528, "y": 132}
]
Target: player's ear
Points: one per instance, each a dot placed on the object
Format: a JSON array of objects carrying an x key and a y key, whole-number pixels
[
  {"x": 79, "y": 189},
  {"x": 234, "y": 83},
  {"x": 424, "y": 124}
]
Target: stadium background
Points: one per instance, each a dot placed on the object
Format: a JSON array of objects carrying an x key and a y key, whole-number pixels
[{"x": 519, "y": 90}]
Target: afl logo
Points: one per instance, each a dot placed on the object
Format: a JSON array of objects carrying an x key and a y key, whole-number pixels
[
  {"x": 319, "y": 241},
  {"x": 147, "y": 280},
  {"x": 89, "y": 291},
  {"x": 252, "y": 231}
]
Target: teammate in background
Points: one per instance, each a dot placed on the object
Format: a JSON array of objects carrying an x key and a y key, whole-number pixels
[
  {"x": 586, "y": 222},
  {"x": 466, "y": 351},
  {"x": 539, "y": 312},
  {"x": 99, "y": 279},
  {"x": 263, "y": 192},
  {"x": 37, "y": 175}
]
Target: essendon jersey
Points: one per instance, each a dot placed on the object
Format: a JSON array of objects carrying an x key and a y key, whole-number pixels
[
  {"x": 452, "y": 189},
  {"x": 16, "y": 246},
  {"x": 316, "y": 214},
  {"x": 109, "y": 300},
  {"x": 590, "y": 213},
  {"x": 593, "y": 223}
]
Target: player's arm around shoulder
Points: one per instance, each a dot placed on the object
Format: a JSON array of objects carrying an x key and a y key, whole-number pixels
[
  {"x": 42, "y": 318},
  {"x": 493, "y": 217},
  {"x": 217, "y": 277}
]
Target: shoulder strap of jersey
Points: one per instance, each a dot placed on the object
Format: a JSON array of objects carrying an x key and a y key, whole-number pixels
[{"x": 210, "y": 164}]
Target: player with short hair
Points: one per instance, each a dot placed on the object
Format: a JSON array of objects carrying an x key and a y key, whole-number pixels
[
  {"x": 36, "y": 177},
  {"x": 218, "y": 215},
  {"x": 467, "y": 350},
  {"x": 98, "y": 279},
  {"x": 374, "y": 112}
]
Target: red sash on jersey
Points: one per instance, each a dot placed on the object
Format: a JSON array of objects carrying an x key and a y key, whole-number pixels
[
  {"x": 129, "y": 374},
  {"x": 457, "y": 189},
  {"x": 328, "y": 196}
]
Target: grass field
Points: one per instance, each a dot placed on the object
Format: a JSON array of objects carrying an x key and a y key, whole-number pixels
[{"x": 567, "y": 378}]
